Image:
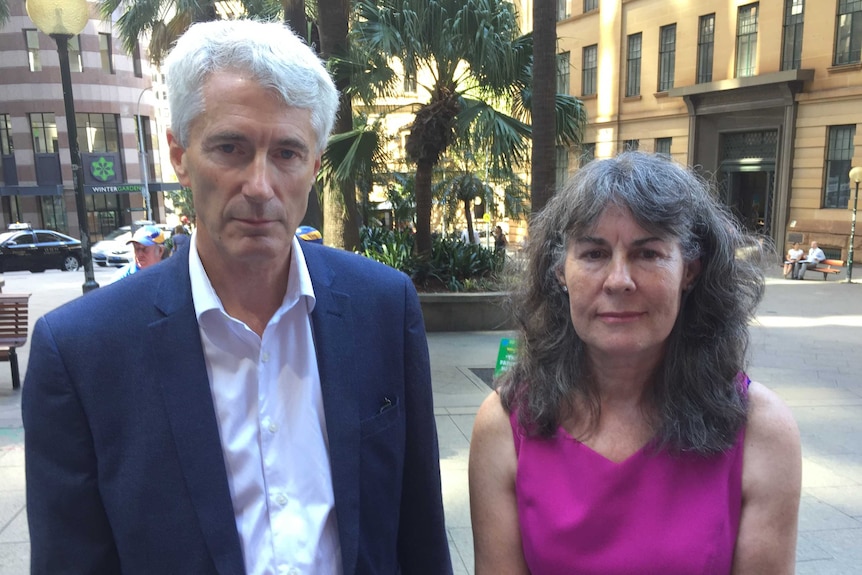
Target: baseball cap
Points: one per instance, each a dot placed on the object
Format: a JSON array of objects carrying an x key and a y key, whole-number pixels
[
  {"x": 148, "y": 236},
  {"x": 309, "y": 234}
]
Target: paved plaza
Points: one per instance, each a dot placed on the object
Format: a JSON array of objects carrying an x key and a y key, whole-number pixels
[{"x": 806, "y": 345}]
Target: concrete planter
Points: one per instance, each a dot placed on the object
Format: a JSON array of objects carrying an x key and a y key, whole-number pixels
[{"x": 469, "y": 311}]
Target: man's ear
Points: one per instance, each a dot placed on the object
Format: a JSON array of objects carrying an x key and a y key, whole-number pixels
[{"x": 177, "y": 154}]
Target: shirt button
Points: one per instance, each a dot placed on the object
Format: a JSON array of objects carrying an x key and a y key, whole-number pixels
[
  {"x": 265, "y": 357},
  {"x": 272, "y": 428},
  {"x": 281, "y": 499}
]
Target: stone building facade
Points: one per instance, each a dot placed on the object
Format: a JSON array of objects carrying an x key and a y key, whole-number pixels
[
  {"x": 114, "y": 93},
  {"x": 763, "y": 97}
]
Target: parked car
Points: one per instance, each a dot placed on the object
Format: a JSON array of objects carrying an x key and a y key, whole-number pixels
[
  {"x": 114, "y": 249},
  {"x": 24, "y": 249}
]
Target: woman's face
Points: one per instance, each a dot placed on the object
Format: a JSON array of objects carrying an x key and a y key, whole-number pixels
[{"x": 625, "y": 286}]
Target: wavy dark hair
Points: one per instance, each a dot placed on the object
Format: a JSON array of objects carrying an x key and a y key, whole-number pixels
[{"x": 696, "y": 390}]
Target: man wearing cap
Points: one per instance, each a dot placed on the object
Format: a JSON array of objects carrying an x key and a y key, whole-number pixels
[{"x": 149, "y": 244}]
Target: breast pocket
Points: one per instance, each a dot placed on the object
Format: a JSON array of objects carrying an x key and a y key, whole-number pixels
[{"x": 387, "y": 416}]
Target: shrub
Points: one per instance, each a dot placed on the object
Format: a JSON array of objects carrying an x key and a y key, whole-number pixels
[{"x": 454, "y": 265}]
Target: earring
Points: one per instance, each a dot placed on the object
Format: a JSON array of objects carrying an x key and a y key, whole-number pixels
[{"x": 565, "y": 289}]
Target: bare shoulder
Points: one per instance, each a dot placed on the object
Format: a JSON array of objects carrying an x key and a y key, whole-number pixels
[
  {"x": 492, "y": 432},
  {"x": 769, "y": 419},
  {"x": 771, "y": 487},
  {"x": 493, "y": 501}
]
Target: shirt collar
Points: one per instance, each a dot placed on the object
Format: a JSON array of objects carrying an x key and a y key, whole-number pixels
[{"x": 299, "y": 286}]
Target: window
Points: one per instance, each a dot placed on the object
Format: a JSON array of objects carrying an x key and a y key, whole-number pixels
[
  {"x": 588, "y": 154},
  {"x": 590, "y": 5},
  {"x": 746, "y": 40},
  {"x": 106, "y": 53},
  {"x": 6, "y": 146},
  {"x": 633, "y": 65},
  {"x": 562, "y": 164},
  {"x": 791, "y": 46},
  {"x": 562, "y": 9},
  {"x": 705, "y": 45},
  {"x": 589, "y": 70},
  {"x": 53, "y": 209},
  {"x": 632, "y": 145},
  {"x": 409, "y": 84},
  {"x": 136, "y": 61},
  {"x": 76, "y": 62},
  {"x": 563, "y": 73},
  {"x": 33, "y": 58},
  {"x": 848, "y": 36},
  {"x": 44, "y": 130},
  {"x": 666, "y": 57},
  {"x": 662, "y": 146},
  {"x": 839, "y": 157},
  {"x": 98, "y": 133}
]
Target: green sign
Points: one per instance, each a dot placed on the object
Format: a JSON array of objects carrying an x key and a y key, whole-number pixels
[
  {"x": 102, "y": 169},
  {"x": 506, "y": 356}
]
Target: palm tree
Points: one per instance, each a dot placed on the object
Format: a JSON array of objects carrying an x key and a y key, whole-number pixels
[
  {"x": 163, "y": 20},
  {"x": 465, "y": 188},
  {"x": 481, "y": 88},
  {"x": 544, "y": 89},
  {"x": 4, "y": 12},
  {"x": 341, "y": 217}
]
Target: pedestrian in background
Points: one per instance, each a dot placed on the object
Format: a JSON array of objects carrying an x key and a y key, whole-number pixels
[
  {"x": 149, "y": 245},
  {"x": 500, "y": 241},
  {"x": 249, "y": 412},
  {"x": 179, "y": 239},
  {"x": 627, "y": 437}
]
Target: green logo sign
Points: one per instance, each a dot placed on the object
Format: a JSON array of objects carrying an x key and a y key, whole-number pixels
[
  {"x": 102, "y": 169},
  {"x": 506, "y": 356}
]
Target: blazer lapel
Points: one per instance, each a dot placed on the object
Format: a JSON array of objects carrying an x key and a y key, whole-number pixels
[
  {"x": 332, "y": 324},
  {"x": 179, "y": 366}
]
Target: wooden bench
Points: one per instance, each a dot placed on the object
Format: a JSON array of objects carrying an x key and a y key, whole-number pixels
[
  {"x": 13, "y": 330},
  {"x": 827, "y": 267}
]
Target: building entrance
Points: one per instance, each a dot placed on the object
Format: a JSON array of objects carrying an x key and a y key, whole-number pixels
[
  {"x": 748, "y": 177},
  {"x": 749, "y": 196}
]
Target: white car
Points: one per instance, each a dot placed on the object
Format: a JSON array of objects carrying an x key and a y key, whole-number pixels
[{"x": 114, "y": 249}]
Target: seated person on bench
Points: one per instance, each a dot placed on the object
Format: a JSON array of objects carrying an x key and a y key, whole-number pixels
[
  {"x": 815, "y": 256},
  {"x": 794, "y": 254}
]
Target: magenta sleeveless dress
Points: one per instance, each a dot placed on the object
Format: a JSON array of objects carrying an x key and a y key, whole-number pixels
[{"x": 653, "y": 513}]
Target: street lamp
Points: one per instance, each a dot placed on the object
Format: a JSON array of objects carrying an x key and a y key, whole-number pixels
[
  {"x": 855, "y": 176},
  {"x": 63, "y": 19},
  {"x": 145, "y": 168}
]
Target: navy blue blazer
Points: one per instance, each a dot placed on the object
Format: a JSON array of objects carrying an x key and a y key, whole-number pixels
[{"x": 125, "y": 472}]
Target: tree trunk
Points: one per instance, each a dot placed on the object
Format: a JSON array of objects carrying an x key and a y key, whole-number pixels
[
  {"x": 468, "y": 214},
  {"x": 422, "y": 189},
  {"x": 294, "y": 16},
  {"x": 542, "y": 182},
  {"x": 341, "y": 220}
]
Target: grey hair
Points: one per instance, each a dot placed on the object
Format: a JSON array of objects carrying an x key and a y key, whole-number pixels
[
  {"x": 269, "y": 51},
  {"x": 696, "y": 393}
]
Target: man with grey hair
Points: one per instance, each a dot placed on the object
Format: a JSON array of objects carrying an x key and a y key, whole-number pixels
[{"x": 252, "y": 412}]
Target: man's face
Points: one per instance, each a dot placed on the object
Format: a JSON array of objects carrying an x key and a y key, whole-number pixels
[
  {"x": 813, "y": 245},
  {"x": 145, "y": 256},
  {"x": 251, "y": 162}
]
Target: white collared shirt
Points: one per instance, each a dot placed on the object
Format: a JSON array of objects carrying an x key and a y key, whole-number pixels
[{"x": 269, "y": 407}]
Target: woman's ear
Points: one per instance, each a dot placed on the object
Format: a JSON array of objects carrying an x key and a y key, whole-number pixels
[{"x": 692, "y": 271}]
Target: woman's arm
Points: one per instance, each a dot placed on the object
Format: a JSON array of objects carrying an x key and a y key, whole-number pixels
[
  {"x": 771, "y": 485},
  {"x": 493, "y": 508}
]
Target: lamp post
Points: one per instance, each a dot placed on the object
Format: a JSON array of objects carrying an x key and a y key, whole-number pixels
[
  {"x": 63, "y": 19},
  {"x": 145, "y": 168},
  {"x": 855, "y": 176}
]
